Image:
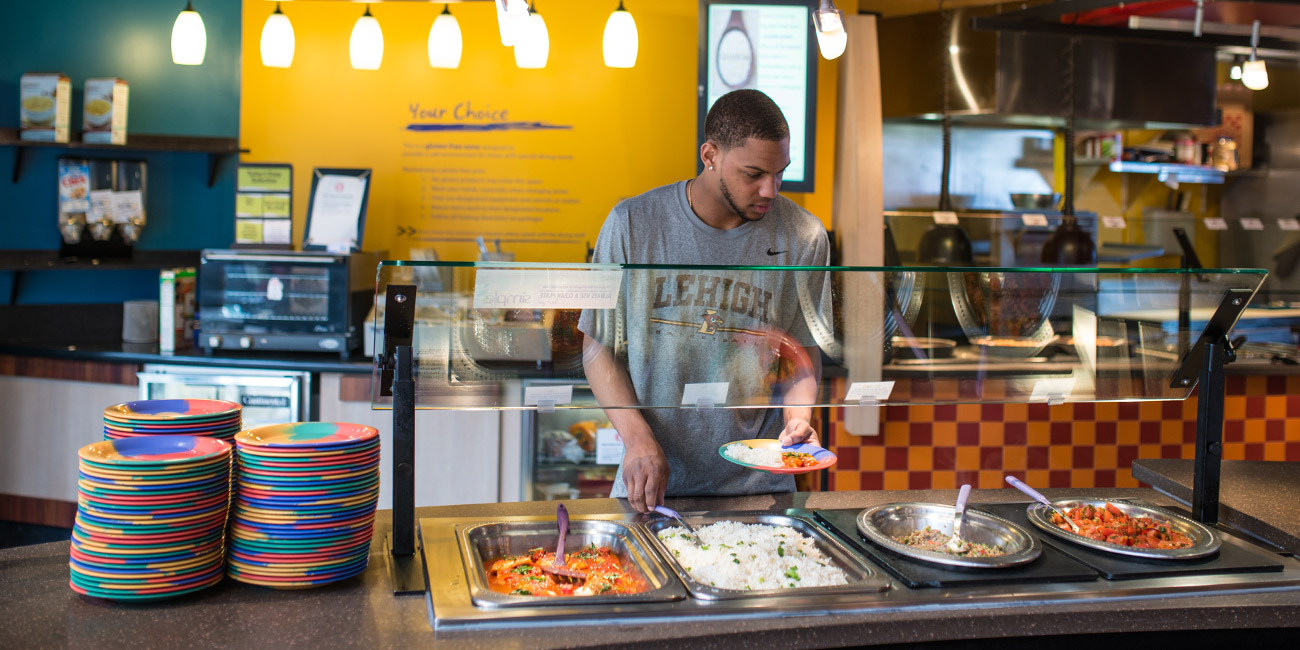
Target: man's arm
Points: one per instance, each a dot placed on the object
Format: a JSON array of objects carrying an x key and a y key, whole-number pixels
[
  {"x": 645, "y": 468},
  {"x": 801, "y": 392}
]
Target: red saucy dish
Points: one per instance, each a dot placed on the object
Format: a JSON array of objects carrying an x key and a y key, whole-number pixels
[{"x": 522, "y": 575}]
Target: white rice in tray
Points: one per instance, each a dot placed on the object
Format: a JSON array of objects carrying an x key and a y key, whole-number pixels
[
  {"x": 763, "y": 457},
  {"x": 752, "y": 557}
]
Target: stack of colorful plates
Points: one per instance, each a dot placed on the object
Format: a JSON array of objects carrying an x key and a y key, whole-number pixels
[
  {"x": 151, "y": 517},
  {"x": 305, "y": 496},
  {"x": 211, "y": 418}
]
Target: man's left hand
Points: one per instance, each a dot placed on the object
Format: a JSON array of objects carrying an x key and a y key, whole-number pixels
[{"x": 798, "y": 430}]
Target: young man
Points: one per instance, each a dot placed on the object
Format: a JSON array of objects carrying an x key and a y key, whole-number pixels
[{"x": 684, "y": 326}]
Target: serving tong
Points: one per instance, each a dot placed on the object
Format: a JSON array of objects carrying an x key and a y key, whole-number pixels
[
  {"x": 558, "y": 567},
  {"x": 956, "y": 544},
  {"x": 669, "y": 512},
  {"x": 1036, "y": 496}
]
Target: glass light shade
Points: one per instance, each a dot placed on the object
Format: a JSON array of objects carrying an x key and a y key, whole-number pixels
[
  {"x": 512, "y": 19},
  {"x": 620, "y": 43},
  {"x": 445, "y": 42},
  {"x": 1254, "y": 75},
  {"x": 534, "y": 45},
  {"x": 189, "y": 39},
  {"x": 831, "y": 37},
  {"x": 1234, "y": 72},
  {"x": 367, "y": 45},
  {"x": 277, "y": 41}
]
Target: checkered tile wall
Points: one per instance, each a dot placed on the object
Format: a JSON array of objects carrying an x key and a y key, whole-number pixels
[{"x": 1067, "y": 445}]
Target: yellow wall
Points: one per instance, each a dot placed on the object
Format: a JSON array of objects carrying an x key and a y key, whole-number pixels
[{"x": 632, "y": 130}]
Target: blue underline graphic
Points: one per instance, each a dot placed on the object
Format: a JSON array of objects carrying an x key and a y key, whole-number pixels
[{"x": 496, "y": 126}]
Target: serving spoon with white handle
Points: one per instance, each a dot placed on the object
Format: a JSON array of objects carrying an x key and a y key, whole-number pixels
[
  {"x": 956, "y": 544},
  {"x": 1034, "y": 494}
]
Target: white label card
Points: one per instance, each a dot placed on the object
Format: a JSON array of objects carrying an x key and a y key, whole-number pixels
[
  {"x": 1034, "y": 220},
  {"x": 872, "y": 391},
  {"x": 127, "y": 206},
  {"x": 713, "y": 393},
  {"x": 1114, "y": 222},
  {"x": 1251, "y": 223},
  {"x": 1289, "y": 223},
  {"x": 1216, "y": 223},
  {"x": 101, "y": 205},
  {"x": 553, "y": 394},
  {"x": 277, "y": 231},
  {"x": 547, "y": 289},
  {"x": 949, "y": 218},
  {"x": 1052, "y": 390},
  {"x": 275, "y": 289},
  {"x": 609, "y": 447}
]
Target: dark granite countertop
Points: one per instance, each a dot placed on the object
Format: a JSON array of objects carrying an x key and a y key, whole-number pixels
[
  {"x": 1254, "y": 495},
  {"x": 39, "y": 610},
  {"x": 118, "y": 352}
]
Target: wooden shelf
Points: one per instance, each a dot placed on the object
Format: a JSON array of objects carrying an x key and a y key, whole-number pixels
[
  {"x": 37, "y": 260},
  {"x": 217, "y": 149}
]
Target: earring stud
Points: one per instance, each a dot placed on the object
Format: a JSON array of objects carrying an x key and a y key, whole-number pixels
[{"x": 710, "y": 167}]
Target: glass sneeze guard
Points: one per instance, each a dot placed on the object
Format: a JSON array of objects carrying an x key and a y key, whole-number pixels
[{"x": 762, "y": 337}]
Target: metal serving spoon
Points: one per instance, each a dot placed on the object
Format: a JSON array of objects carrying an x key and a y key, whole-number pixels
[
  {"x": 669, "y": 512},
  {"x": 558, "y": 567},
  {"x": 1033, "y": 494},
  {"x": 956, "y": 544}
]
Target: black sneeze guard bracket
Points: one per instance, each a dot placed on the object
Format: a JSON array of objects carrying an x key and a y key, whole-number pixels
[
  {"x": 397, "y": 379},
  {"x": 1203, "y": 365}
]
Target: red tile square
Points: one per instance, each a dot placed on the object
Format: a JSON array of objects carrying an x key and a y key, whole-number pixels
[
  {"x": 968, "y": 433},
  {"x": 945, "y": 413},
  {"x": 968, "y": 476},
  {"x": 1172, "y": 410},
  {"x": 1058, "y": 478},
  {"x": 1015, "y": 433},
  {"x": 918, "y": 480},
  {"x": 1274, "y": 430},
  {"x": 1104, "y": 478},
  {"x": 945, "y": 458},
  {"x": 1233, "y": 431},
  {"x": 1293, "y": 406},
  {"x": 1149, "y": 433},
  {"x": 873, "y": 480},
  {"x": 1083, "y": 457},
  {"x": 990, "y": 458},
  {"x": 1040, "y": 413},
  {"x": 922, "y": 388},
  {"x": 1062, "y": 433},
  {"x": 848, "y": 458},
  {"x": 1125, "y": 455},
  {"x": 1085, "y": 411},
  {"x": 896, "y": 458},
  {"x": 1277, "y": 385},
  {"x": 895, "y": 413},
  {"x": 1254, "y": 407},
  {"x": 1037, "y": 458},
  {"x": 1189, "y": 431},
  {"x": 920, "y": 434},
  {"x": 1171, "y": 451},
  {"x": 1254, "y": 451},
  {"x": 1293, "y": 451},
  {"x": 991, "y": 412},
  {"x": 1130, "y": 410},
  {"x": 1106, "y": 433},
  {"x": 1235, "y": 385}
]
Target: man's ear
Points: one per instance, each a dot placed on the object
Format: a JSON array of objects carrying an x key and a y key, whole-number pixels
[{"x": 709, "y": 154}]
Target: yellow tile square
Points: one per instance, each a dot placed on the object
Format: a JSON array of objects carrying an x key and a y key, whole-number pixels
[
  {"x": 947, "y": 390},
  {"x": 1255, "y": 431},
  {"x": 1149, "y": 451},
  {"x": 920, "y": 459},
  {"x": 944, "y": 434},
  {"x": 1171, "y": 432},
  {"x": 969, "y": 413},
  {"x": 1015, "y": 412},
  {"x": 1015, "y": 457},
  {"x": 1124, "y": 479},
  {"x": 1061, "y": 413},
  {"x": 1293, "y": 430},
  {"x": 1105, "y": 457},
  {"x": 1189, "y": 451},
  {"x": 920, "y": 413},
  {"x": 897, "y": 434},
  {"x": 990, "y": 479},
  {"x": 1107, "y": 411},
  {"x": 1083, "y": 478},
  {"x": 1038, "y": 434},
  {"x": 991, "y": 434},
  {"x": 1127, "y": 433},
  {"x": 1275, "y": 407},
  {"x": 1275, "y": 451},
  {"x": 846, "y": 481},
  {"x": 1038, "y": 477},
  {"x": 896, "y": 480},
  {"x": 1151, "y": 411},
  {"x": 968, "y": 458},
  {"x": 871, "y": 458},
  {"x": 1234, "y": 451},
  {"x": 1234, "y": 407},
  {"x": 1257, "y": 385},
  {"x": 1060, "y": 458},
  {"x": 1085, "y": 433},
  {"x": 943, "y": 480}
]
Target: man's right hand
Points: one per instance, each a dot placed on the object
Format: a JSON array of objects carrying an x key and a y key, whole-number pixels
[{"x": 645, "y": 472}]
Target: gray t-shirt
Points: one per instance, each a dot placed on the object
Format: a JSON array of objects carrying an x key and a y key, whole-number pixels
[{"x": 680, "y": 326}]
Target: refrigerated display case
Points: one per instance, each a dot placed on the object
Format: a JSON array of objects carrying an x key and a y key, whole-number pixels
[
  {"x": 560, "y": 457},
  {"x": 268, "y": 396}
]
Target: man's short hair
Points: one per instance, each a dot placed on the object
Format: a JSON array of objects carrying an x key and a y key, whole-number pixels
[{"x": 742, "y": 114}]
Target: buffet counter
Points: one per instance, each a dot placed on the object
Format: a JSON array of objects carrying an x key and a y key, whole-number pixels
[{"x": 41, "y": 611}]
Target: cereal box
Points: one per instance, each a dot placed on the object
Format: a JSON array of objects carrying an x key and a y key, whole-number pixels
[
  {"x": 45, "y": 101},
  {"x": 104, "y": 111}
]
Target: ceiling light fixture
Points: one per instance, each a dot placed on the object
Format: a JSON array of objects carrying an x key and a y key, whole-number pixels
[
  {"x": 621, "y": 42},
  {"x": 445, "y": 41},
  {"x": 366, "y": 48},
  {"x": 512, "y": 18},
  {"x": 534, "y": 44},
  {"x": 277, "y": 40},
  {"x": 829, "y": 25},
  {"x": 189, "y": 38},
  {"x": 1253, "y": 73}
]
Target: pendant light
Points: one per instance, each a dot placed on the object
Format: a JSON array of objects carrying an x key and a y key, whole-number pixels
[
  {"x": 829, "y": 24},
  {"x": 620, "y": 42},
  {"x": 367, "y": 45},
  {"x": 1253, "y": 73},
  {"x": 277, "y": 40},
  {"x": 445, "y": 42},
  {"x": 189, "y": 38},
  {"x": 534, "y": 44},
  {"x": 512, "y": 17}
]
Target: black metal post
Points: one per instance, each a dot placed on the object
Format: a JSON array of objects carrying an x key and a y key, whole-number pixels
[
  {"x": 404, "y": 454},
  {"x": 1209, "y": 436}
]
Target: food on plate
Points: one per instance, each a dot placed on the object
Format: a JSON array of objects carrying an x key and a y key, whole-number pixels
[
  {"x": 751, "y": 557},
  {"x": 768, "y": 456},
  {"x": 929, "y": 539},
  {"x": 797, "y": 459},
  {"x": 1007, "y": 342},
  {"x": 522, "y": 575},
  {"x": 1114, "y": 526}
]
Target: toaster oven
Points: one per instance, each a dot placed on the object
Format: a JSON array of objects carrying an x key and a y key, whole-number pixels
[{"x": 284, "y": 300}]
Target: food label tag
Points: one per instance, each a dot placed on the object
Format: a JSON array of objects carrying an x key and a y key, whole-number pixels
[
  {"x": 1034, "y": 220},
  {"x": 547, "y": 288},
  {"x": 1114, "y": 222},
  {"x": 128, "y": 206},
  {"x": 553, "y": 394},
  {"x": 1216, "y": 223},
  {"x": 705, "y": 395},
  {"x": 1251, "y": 223},
  {"x": 1289, "y": 223},
  {"x": 101, "y": 206},
  {"x": 948, "y": 218},
  {"x": 609, "y": 447},
  {"x": 869, "y": 391},
  {"x": 275, "y": 289},
  {"x": 1052, "y": 391}
]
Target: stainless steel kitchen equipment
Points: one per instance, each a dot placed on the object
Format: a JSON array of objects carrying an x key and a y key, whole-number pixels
[
  {"x": 884, "y": 524},
  {"x": 1205, "y": 541}
]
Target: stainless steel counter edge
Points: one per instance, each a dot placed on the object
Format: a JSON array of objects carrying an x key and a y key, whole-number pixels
[{"x": 148, "y": 353}]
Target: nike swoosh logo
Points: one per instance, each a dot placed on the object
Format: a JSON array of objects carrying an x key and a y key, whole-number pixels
[{"x": 772, "y": 252}]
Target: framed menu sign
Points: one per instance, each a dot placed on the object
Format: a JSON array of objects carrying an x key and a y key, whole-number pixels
[
  {"x": 336, "y": 216},
  {"x": 264, "y": 206},
  {"x": 766, "y": 45}
]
